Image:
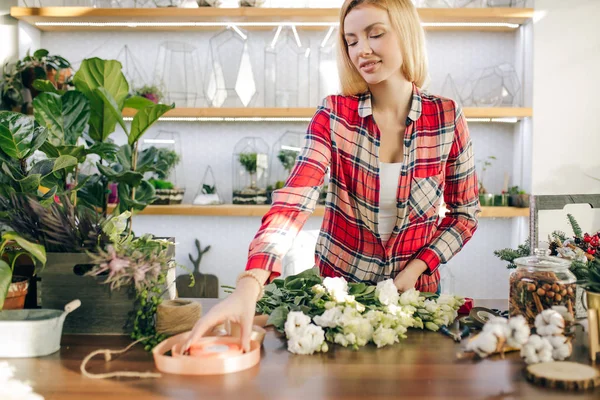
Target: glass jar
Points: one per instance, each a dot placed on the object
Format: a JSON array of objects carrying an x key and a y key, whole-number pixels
[{"x": 540, "y": 282}]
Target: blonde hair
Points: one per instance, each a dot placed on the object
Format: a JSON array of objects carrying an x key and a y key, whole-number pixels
[{"x": 405, "y": 21}]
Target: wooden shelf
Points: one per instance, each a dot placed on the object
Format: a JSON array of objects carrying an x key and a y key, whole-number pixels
[
  {"x": 308, "y": 112},
  {"x": 93, "y": 19},
  {"x": 233, "y": 210}
]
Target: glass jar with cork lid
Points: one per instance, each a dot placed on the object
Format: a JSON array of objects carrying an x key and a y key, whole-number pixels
[{"x": 541, "y": 282}]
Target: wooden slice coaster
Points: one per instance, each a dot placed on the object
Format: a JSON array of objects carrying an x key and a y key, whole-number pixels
[{"x": 563, "y": 375}]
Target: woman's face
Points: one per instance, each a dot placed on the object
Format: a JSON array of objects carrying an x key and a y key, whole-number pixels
[{"x": 372, "y": 44}]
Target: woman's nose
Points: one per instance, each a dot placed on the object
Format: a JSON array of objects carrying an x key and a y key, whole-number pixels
[{"x": 365, "y": 49}]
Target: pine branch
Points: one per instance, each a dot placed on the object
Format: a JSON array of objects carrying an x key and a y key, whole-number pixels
[
  {"x": 510, "y": 254},
  {"x": 575, "y": 226}
]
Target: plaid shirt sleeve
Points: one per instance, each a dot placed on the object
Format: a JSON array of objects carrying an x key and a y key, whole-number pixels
[
  {"x": 461, "y": 196},
  {"x": 293, "y": 204}
]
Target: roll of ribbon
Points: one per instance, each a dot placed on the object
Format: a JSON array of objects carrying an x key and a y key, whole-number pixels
[
  {"x": 177, "y": 316},
  {"x": 213, "y": 355}
]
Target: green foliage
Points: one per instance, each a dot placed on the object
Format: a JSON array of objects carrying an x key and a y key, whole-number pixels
[
  {"x": 510, "y": 255},
  {"x": 515, "y": 190},
  {"x": 248, "y": 161},
  {"x": 12, "y": 246},
  {"x": 161, "y": 184},
  {"x": 485, "y": 164},
  {"x": 590, "y": 276},
  {"x": 575, "y": 226},
  {"x": 287, "y": 158},
  {"x": 207, "y": 189}
]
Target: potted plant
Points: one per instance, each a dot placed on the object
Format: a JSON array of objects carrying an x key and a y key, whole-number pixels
[
  {"x": 152, "y": 93},
  {"x": 485, "y": 198},
  {"x": 18, "y": 85},
  {"x": 207, "y": 191},
  {"x": 287, "y": 158},
  {"x": 250, "y": 171},
  {"x": 517, "y": 197},
  {"x": 165, "y": 161},
  {"x": 13, "y": 289}
]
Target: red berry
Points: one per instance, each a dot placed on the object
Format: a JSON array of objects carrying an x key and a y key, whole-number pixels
[
  {"x": 591, "y": 251},
  {"x": 587, "y": 238}
]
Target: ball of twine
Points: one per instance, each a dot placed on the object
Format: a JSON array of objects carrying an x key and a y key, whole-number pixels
[{"x": 177, "y": 316}]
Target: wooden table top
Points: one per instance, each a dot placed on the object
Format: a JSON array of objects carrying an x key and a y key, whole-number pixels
[{"x": 423, "y": 366}]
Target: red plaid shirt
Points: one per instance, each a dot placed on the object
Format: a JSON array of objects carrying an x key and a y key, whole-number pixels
[{"x": 438, "y": 162}]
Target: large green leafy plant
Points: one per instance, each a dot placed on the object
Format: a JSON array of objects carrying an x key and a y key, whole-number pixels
[{"x": 104, "y": 86}]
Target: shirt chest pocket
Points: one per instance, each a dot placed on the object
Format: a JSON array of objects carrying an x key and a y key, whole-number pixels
[{"x": 425, "y": 196}]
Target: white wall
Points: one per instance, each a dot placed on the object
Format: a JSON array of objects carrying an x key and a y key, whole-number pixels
[
  {"x": 8, "y": 32},
  {"x": 566, "y": 84}
]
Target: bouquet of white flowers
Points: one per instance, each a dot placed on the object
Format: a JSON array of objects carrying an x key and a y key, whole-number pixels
[{"x": 313, "y": 311}]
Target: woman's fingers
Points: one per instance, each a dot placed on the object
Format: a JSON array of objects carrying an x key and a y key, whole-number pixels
[{"x": 205, "y": 324}]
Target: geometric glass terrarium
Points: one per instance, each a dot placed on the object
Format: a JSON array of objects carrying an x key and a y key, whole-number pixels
[
  {"x": 230, "y": 76},
  {"x": 178, "y": 72},
  {"x": 287, "y": 82},
  {"x": 250, "y": 171},
  {"x": 493, "y": 86},
  {"x": 164, "y": 151},
  {"x": 208, "y": 193},
  {"x": 329, "y": 81},
  {"x": 283, "y": 157}
]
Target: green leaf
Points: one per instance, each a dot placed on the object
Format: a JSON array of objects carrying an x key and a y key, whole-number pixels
[
  {"x": 42, "y": 85},
  {"x": 19, "y": 137},
  {"x": 138, "y": 102},
  {"x": 30, "y": 184},
  {"x": 41, "y": 53},
  {"x": 106, "y": 151},
  {"x": 144, "y": 119},
  {"x": 48, "y": 198},
  {"x": 357, "y": 288},
  {"x": 46, "y": 167},
  {"x": 128, "y": 177},
  {"x": 144, "y": 195},
  {"x": 92, "y": 192},
  {"x": 124, "y": 156},
  {"x": 146, "y": 161},
  {"x": 112, "y": 106},
  {"x": 278, "y": 317},
  {"x": 5, "y": 281},
  {"x": 37, "y": 251},
  {"x": 94, "y": 73},
  {"x": 66, "y": 116}
]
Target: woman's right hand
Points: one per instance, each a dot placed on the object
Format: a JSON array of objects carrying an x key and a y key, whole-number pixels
[{"x": 239, "y": 307}]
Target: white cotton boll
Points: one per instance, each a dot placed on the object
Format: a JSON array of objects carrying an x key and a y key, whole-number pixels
[
  {"x": 384, "y": 336},
  {"x": 562, "y": 310},
  {"x": 296, "y": 321},
  {"x": 6, "y": 371},
  {"x": 518, "y": 332},
  {"x": 387, "y": 292},
  {"x": 537, "y": 349},
  {"x": 12, "y": 389},
  {"x": 549, "y": 323},
  {"x": 330, "y": 318},
  {"x": 483, "y": 344},
  {"x": 562, "y": 347},
  {"x": 497, "y": 326},
  {"x": 410, "y": 297}
]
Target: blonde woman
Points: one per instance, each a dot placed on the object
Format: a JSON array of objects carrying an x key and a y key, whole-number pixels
[{"x": 393, "y": 153}]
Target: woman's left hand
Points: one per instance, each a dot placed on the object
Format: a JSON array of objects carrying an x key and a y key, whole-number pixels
[{"x": 407, "y": 278}]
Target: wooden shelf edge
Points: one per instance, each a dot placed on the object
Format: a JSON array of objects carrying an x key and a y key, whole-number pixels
[
  {"x": 308, "y": 112},
  {"x": 251, "y": 14},
  {"x": 233, "y": 210}
]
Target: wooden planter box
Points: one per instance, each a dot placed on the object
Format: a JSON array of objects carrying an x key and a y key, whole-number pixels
[{"x": 102, "y": 310}]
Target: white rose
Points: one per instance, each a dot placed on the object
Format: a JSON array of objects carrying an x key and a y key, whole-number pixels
[
  {"x": 410, "y": 297},
  {"x": 340, "y": 339},
  {"x": 307, "y": 341},
  {"x": 318, "y": 289},
  {"x": 384, "y": 336},
  {"x": 536, "y": 350},
  {"x": 337, "y": 288},
  {"x": 387, "y": 293},
  {"x": 330, "y": 318},
  {"x": 296, "y": 321}
]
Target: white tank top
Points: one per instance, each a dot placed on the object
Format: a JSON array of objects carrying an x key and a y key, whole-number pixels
[{"x": 389, "y": 173}]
